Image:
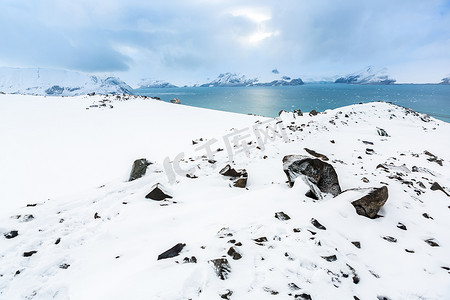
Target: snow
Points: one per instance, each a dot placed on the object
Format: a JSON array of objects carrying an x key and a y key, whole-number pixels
[
  {"x": 369, "y": 75},
  {"x": 39, "y": 81},
  {"x": 74, "y": 162}
]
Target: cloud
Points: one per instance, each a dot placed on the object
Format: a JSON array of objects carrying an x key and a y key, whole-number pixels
[{"x": 202, "y": 38}]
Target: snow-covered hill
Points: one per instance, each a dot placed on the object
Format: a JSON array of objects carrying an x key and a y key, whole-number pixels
[
  {"x": 445, "y": 80},
  {"x": 151, "y": 83},
  {"x": 237, "y": 80},
  {"x": 369, "y": 75},
  {"x": 38, "y": 81},
  {"x": 265, "y": 241}
]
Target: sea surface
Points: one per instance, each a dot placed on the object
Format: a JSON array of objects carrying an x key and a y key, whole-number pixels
[{"x": 432, "y": 99}]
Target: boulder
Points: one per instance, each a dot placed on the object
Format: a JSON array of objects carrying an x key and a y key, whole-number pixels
[
  {"x": 370, "y": 204},
  {"x": 320, "y": 176},
  {"x": 313, "y": 113},
  {"x": 239, "y": 177},
  {"x": 282, "y": 216},
  {"x": 139, "y": 168},
  {"x": 158, "y": 193},
  {"x": 172, "y": 252}
]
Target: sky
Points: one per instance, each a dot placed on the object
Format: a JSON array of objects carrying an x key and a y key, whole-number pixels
[{"x": 191, "y": 41}]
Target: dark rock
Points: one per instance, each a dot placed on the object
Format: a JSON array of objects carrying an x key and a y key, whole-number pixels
[
  {"x": 369, "y": 151},
  {"x": 29, "y": 253},
  {"x": 311, "y": 195},
  {"x": 192, "y": 260},
  {"x": 64, "y": 266},
  {"x": 367, "y": 142},
  {"x": 427, "y": 216},
  {"x": 12, "y": 234},
  {"x": 330, "y": 258},
  {"x": 298, "y": 112},
  {"x": 317, "y": 224},
  {"x": 27, "y": 218},
  {"x": 222, "y": 267},
  {"x": 158, "y": 193},
  {"x": 355, "y": 277},
  {"x": 316, "y": 154},
  {"x": 192, "y": 176},
  {"x": 382, "y": 132},
  {"x": 303, "y": 297},
  {"x": 269, "y": 290},
  {"x": 139, "y": 168},
  {"x": 172, "y": 252},
  {"x": 313, "y": 113},
  {"x": 319, "y": 175},
  {"x": 96, "y": 216},
  {"x": 293, "y": 286},
  {"x": 58, "y": 240},
  {"x": 234, "y": 254},
  {"x": 433, "y": 158},
  {"x": 261, "y": 239},
  {"x": 365, "y": 180},
  {"x": 240, "y": 182},
  {"x": 401, "y": 226},
  {"x": 296, "y": 230},
  {"x": 370, "y": 204},
  {"x": 437, "y": 187},
  {"x": 229, "y": 171},
  {"x": 381, "y": 166},
  {"x": 31, "y": 205},
  {"x": 227, "y": 295},
  {"x": 282, "y": 216},
  {"x": 357, "y": 244},
  {"x": 390, "y": 239},
  {"x": 238, "y": 244},
  {"x": 409, "y": 251},
  {"x": 332, "y": 141},
  {"x": 432, "y": 243}
]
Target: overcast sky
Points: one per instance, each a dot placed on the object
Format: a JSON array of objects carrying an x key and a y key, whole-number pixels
[{"x": 188, "y": 41}]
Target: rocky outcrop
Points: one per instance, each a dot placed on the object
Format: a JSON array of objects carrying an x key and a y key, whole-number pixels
[{"x": 222, "y": 267}]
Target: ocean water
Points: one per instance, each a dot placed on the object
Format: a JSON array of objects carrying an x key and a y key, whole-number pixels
[{"x": 432, "y": 99}]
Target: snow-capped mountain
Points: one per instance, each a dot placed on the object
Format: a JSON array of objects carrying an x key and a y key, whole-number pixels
[
  {"x": 37, "y": 81},
  {"x": 150, "y": 83},
  {"x": 445, "y": 80},
  {"x": 236, "y": 80},
  {"x": 369, "y": 75},
  {"x": 230, "y": 79}
]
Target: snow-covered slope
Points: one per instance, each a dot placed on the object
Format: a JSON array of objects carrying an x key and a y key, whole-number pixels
[
  {"x": 445, "y": 80},
  {"x": 369, "y": 75},
  {"x": 104, "y": 243},
  {"x": 38, "y": 81}
]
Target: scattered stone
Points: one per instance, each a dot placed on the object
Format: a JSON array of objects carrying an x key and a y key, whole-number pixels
[
  {"x": 401, "y": 226},
  {"x": 239, "y": 176},
  {"x": 12, "y": 234},
  {"x": 64, "y": 266},
  {"x": 382, "y": 132},
  {"x": 303, "y": 297},
  {"x": 365, "y": 180},
  {"x": 319, "y": 175},
  {"x": 96, "y": 216},
  {"x": 382, "y": 166},
  {"x": 409, "y": 251},
  {"x": 240, "y": 182},
  {"x": 269, "y": 290},
  {"x": 31, "y": 205},
  {"x": 433, "y": 158},
  {"x": 172, "y": 252},
  {"x": 390, "y": 239},
  {"x": 357, "y": 244},
  {"x": 158, "y": 193},
  {"x": 261, "y": 239},
  {"x": 427, "y": 216},
  {"x": 192, "y": 260},
  {"x": 332, "y": 141},
  {"x": 222, "y": 267},
  {"x": 370, "y": 204},
  {"x": 432, "y": 243},
  {"x": 282, "y": 216},
  {"x": 293, "y": 286},
  {"x": 58, "y": 240},
  {"x": 139, "y": 168},
  {"x": 234, "y": 254},
  {"x": 192, "y": 176},
  {"x": 29, "y": 253},
  {"x": 330, "y": 258},
  {"x": 313, "y": 113},
  {"x": 226, "y": 295},
  {"x": 436, "y": 186},
  {"x": 367, "y": 142},
  {"x": 229, "y": 171},
  {"x": 27, "y": 218},
  {"x": 355, "y": 277},
  {"x": 316, "y": 154},
  {"x": 296, "y": 230},
  {"x": 317, "y": 224},
  {"x": 369, "y": 151},
  {"x": 238, "y": 244},
  {"x": 298, "y": 112}
]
